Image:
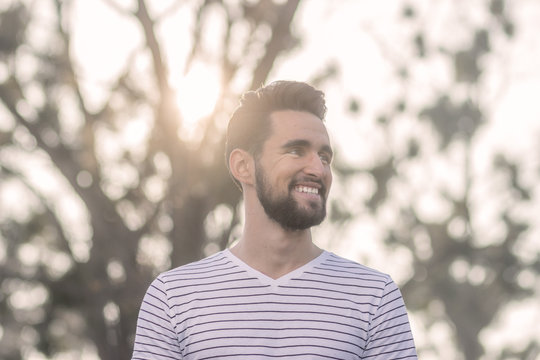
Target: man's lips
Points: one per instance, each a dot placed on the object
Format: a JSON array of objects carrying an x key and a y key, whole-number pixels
[{"x": 312, "y": 187}]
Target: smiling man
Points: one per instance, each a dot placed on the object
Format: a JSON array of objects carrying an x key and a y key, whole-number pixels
[
  {"x": 275, "y": 294},
  {"x": 303, "y": 183}
]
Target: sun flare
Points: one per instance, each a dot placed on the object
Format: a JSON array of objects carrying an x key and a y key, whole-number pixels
[{"x": 197, "y": 94}]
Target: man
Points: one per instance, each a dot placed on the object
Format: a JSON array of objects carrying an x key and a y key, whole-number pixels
[{"x": 275, "y": 294}]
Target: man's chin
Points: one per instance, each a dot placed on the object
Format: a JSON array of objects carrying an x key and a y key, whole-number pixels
[
  {"x": 295, "y": 212},
  {"x": 306, "y": 219}
]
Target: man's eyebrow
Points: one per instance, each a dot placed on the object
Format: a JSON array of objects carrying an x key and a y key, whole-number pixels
[
  {"x": 304, "y": 143},
  {"x": 296, "y": 143}
]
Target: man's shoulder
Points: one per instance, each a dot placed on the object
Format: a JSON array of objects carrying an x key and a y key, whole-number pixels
[
  {"x": 199, "y": 268},
  {"x": 345, "y": 265}
]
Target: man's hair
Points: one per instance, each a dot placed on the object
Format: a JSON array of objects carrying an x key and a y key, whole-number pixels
[{"x": 250, "y": 124}]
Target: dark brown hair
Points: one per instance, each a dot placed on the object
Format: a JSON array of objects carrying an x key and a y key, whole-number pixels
[{"x": 249, "y": 125}]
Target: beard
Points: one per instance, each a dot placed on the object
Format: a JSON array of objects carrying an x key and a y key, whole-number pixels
[{"x": 285, "y": 210}]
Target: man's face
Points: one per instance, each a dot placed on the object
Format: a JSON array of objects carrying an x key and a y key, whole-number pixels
[{"x": 293, "y": 175}]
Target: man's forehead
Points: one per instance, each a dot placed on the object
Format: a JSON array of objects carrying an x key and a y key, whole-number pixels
[
  {"x": 303, "y": 143},
  {"x": 291, "y": 123}
]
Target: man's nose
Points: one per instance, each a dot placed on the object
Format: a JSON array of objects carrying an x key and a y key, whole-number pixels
[{"x": 315, "y": 166}]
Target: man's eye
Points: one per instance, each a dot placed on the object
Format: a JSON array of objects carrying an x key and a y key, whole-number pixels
[
  {"x": 325, "y": 158},
  {"x": 295, "y": 151}
]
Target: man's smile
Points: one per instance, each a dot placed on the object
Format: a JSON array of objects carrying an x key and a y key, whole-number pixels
[
  {"x": 306, "y": 189},
  {"x": 309, "y": 188}
]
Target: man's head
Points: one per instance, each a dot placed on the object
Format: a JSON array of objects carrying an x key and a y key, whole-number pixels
[
  {"x": 250, "y": 124},
  {"x": 287, "y": 142}
]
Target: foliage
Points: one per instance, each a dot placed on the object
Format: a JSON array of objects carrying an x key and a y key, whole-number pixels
[
  {"x": 89, "y": 283},
  {"x": 89, "y": 217},
  {"x": 466, "y": 229}
]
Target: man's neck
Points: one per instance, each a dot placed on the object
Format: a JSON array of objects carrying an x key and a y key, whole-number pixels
[{"x": 275, "y": 251}]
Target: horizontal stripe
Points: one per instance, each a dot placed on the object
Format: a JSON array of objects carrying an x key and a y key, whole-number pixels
[
  {"x": 250, "y": 356},
  {"x": 330, "y": 325},
  {"x": 275, "y": 338},
  {"x": 314, "y": 347},
  {"x": 273, "y": 303}
]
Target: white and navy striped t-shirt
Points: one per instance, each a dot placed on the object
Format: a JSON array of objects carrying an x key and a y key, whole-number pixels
[{"x": 220, "y": 308}]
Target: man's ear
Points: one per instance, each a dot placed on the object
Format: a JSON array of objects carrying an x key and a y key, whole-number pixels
[{"x": 241, "y": 166}]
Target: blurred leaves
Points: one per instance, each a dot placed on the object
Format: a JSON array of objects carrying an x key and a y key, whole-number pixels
[
  {"x": 89, "y": 215},
  {"x": 118, "y": 193},
  {"x": 382, "y": 174},
  {"x": 430, "y": 197},
  {"x": 12, "y": 28},
  {"x": 453, "y": 121}
]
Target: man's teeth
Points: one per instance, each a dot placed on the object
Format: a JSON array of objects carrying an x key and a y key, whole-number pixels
[{"x": 306, "y": 189}]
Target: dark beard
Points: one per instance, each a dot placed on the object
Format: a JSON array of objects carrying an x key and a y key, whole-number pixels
[{"x": 285, "y": 210}]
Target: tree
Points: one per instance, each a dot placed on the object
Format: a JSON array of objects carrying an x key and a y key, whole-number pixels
[
  {"x": 461, "y": 227},
  {"x": 89, "y": 288},
  {"x": 87, "y": 218}
]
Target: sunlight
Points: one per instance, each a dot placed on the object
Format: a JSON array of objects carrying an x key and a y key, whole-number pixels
[{"x": 197, "y": 94}]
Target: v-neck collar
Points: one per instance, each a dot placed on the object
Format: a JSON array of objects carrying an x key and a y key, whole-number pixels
[{"x": 267, "y": 280}]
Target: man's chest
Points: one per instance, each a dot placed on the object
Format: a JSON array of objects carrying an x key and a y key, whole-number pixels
[{"x": 280, "y": 324}]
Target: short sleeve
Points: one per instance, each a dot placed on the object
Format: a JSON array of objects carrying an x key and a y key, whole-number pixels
[
  {"x": 156, "y": 338},
  {"x": 389, "y": 335}
]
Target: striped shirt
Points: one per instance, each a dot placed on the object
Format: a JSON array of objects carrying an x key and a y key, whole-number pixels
[{"x": 220, "y": 308}]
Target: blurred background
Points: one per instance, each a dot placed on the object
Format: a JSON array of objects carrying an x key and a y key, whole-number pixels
[{"x": 112, "y": 115}]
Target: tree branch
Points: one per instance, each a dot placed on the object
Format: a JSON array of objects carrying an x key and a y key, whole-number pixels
[
  {"x": 280, "y": 35},
  {"x": 151, "y": 40},
  {"x": 46, "y": 204}
]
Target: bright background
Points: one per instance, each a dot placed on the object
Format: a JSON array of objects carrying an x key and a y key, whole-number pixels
[{"x": 359, "y": 46}]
